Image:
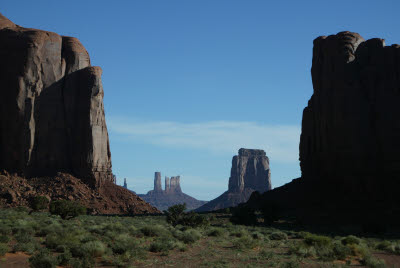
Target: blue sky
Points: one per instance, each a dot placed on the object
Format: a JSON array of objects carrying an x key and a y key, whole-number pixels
[{"x": 188, "y": 83}]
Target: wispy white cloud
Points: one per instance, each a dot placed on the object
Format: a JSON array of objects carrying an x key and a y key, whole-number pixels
[{"x": 281, "y": 142}]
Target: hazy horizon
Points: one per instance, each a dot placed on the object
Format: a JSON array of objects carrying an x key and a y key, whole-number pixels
[{"x": 187, "y": 84}]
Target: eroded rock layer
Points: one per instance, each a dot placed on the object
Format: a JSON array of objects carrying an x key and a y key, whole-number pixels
[
  {"x": 250, "y": 172},
  {"x": 51, "y": 107}
]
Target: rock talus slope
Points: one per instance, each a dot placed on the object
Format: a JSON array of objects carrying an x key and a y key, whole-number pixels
[
  {"x": 250, "y": 172},
  {"x": 349, "y": 145}
]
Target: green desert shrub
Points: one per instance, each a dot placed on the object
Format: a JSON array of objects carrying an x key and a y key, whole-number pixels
[
  {"x": 66, "y": 209},
  {"x": 372, "y": 262},
  {"x": 351, "y": 239},
  {"x": 123, "y": 244},
  {"x": 245, "y": 242},
  {"x": 3, "y": 249},
  {"x": 162, "y": 245},
  {"x": 43, "y": 259},
  {"x": 322, "y": 247},
  {"x": 317, "y": 240},
  {"x": 243, "y": 215},
  {"x": 176, "y": 215},
  {"x": 28, "y": 247},
  {"x": 278, "y": 236},
  {"x": 216, "y": 232},
  {"x": 257, "y": 235},
  {"x": 189, "y": 236},
  {"x": 4, "y": 239},
  {"x": 154, "y": 230},
  {"x": 94, "y": 248},
  {"x": 38, "y": 203},
  {"x": 64, "y": 259}
]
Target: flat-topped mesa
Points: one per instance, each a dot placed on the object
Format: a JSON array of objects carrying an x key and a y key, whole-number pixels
[
  {"x": 157, "y": 182},
  {"x": 250, "y": 169},
  {"x": 250, "y": 172},
  {"x": 51, "y": 107},
  {"x": 349, "y": 127},
  {"x": 175, "y": 184}
]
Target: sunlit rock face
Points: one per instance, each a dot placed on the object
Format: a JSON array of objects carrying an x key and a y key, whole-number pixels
[
  {"x": 51, "y": 107},
  {"x": 250, "y": 172}
]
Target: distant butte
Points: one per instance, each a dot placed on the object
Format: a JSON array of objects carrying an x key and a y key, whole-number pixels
[
  {"x": 250, "y": 172},
  {"x": 172, "y": 195}
]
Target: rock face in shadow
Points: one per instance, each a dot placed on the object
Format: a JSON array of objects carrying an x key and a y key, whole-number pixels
[
  {"x": 172, "y": 195},
  {"x": 349, "y": 146},
  {"x": 51, "y": 107},
  {"x": 250, "y": 172},
  {"x": 52, "y": 122}
]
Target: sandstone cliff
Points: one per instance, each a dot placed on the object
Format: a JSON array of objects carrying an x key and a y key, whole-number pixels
[
  {"x": 52, "y": 122},
  {"x": 250, "y": 172},
  {"x": 51, "y": 107},
  {"x": 172, "y": 195},
  {"x": 349, "y": 142}
]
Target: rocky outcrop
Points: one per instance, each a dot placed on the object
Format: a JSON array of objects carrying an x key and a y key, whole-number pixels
[
  {"x": 172, "y": 195},
  {"x": 51, "y": 107},
  {"x": 52, "y": 122},
  {"x": 250, "y": 172},
  {"x": 349, "y": 146}
]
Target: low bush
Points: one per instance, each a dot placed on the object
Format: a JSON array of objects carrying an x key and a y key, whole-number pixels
[
  {"x": 29, "y": 247},
  {"x": 4, "y": 239},
  {"x": 94, "y": 249},
  {"x": 154, "y": 230},
  {"x": 43, "y": 259},
  {"x": 372, "y": 262},
  {"x": 245, "y": 242},
  {"x": 317, "y": 240},
  {"x": 3, "y": 249},
  {"x": 217, "y": 232},
  {"x": 189, "y": 236},
  {"x": 278, "y": 236},
  {"x": 351, "y": 239},
  {"x": 162, "y": 245},
  {"x": 64, "y": 258},
  {"x": 66, "y": 209},
  {"x": 176, "y": 215},
  {"x": 38, "y": 203}
]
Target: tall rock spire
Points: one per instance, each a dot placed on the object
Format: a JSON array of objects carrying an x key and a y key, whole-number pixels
[
  {"x": 157, "y": 182},
  {"x": 167, "y": 184}
]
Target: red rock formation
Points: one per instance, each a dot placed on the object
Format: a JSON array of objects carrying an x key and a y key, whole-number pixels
[
  {"x": 51, "y": 107},
  {"x": 52, "y": 120},
  {"x": 350, "y": 136}
]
